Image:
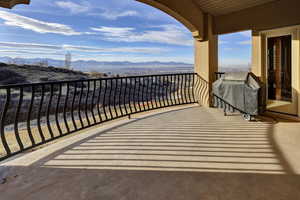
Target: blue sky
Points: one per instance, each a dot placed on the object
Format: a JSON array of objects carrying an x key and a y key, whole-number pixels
[
  {"x": 102, "y": 30},
  {"x": 235, "y": 49}
]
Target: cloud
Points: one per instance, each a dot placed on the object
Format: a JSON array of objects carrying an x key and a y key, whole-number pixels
[
  {"x": 114, "y": 50},
  {"x": 246, "y": 42},
  {"x": 28, "y": 45},
  {"x": 168, "y": 34},
  {"x": 44, "y": 48},
  {"x": 114, "y": 31},
  {"x": 85, "y": 7},
  {"x": 31, "y": 52},
  {"x": 35, "y": 25},
  {"x": 112, "y": 15},
  {"x": 74, "y": 8},
  {"x": 140, "y": 58}
]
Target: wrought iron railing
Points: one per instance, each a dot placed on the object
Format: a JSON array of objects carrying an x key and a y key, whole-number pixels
[{"x": 34, "y": 114}]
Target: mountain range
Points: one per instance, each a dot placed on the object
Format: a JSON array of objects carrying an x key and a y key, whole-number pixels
[{"x": 92, "y": 65}]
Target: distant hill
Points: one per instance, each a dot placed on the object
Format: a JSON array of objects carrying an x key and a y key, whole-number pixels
[
  {"x": 19, "y": 74},
  {"x": 92, "y": 65}
]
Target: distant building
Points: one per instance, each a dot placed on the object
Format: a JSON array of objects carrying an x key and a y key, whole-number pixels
[{"x": 68, "y": 60}]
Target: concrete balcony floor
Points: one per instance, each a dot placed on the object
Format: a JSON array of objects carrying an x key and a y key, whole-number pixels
[{"x": 189, "y": 153}]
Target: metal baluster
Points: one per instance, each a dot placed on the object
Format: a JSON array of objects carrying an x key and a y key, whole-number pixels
[
  {"x": 104, "y": 100},
  {"x": 165, "y": 100},
  {"x": 184, "y": 89},
  {"x": 79, "y": 104},
  {"x": 29, "y": 116},
  {"x": 144, "y": 94},
  {"x": 98, "y": 101},
  {"x": 133, "y": 96},
  {"x": 174, "y": 82},
  {"x": 57, "y": 110},
  {"x": 171, "y": 90},
  {"x": 150, "y": 99},
  {"x": 140, "y": 95},
  {"x": 188, "y": 85},
  {"x": 72, "y": 106},
  {"x": 179, "y": 90},
  {"x": 87, "y": 103},
  {"x": 155, "y": 91},
  {"x": 2, "y": 122},
  {"x": 48, "y": 111},
  {"x": 143, "y": 106},
  {"x": 115, "y": 98},
  {"x": 65, "y": 108},
  {"x": 125, "y": 95},
  {"x": 93, "y": 104},
  {"x": 120, "y": 89},
  {"x": 16, "y": 121},
  {"x": 39, "y": 115},
  {"x": 158, "y": 91},
  {"x": 130, "y": 106},
  {"x": 167, "y": 90},
  {"x": 109, "y": 99},
  {"x": 162, "y": 86},
  {"x": 148, "y": 92}
]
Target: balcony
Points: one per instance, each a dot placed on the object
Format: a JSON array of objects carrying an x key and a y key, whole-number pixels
[{"x": 169, "y": 147}]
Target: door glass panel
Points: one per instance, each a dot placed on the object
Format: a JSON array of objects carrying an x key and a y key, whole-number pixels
[{"x": 280, "y": 68}]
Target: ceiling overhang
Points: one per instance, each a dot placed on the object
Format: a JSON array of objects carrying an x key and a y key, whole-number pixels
[
  {"x": 12, "y": 3},
  {"x": 275, "y": 14},
  {"x": 223, "y": 7}
]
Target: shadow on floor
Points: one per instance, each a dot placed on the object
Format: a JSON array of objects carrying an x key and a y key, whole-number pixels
[{"x": 194, "y": 153}]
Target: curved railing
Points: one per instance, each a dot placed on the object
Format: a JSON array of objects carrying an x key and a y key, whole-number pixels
[{"x": 34, "y": 114}]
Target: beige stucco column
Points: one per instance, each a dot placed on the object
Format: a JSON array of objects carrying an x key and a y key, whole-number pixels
[
  {"x": 258, "y": 62},
  {"x": 206, "y": 59}
]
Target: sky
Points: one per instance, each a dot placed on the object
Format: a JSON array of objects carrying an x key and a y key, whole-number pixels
[{"x": 101, "y": 30}]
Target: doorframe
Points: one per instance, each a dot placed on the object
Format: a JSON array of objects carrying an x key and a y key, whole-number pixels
[{"x": 294, "y": 108}]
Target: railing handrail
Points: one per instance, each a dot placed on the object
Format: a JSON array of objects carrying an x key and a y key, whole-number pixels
[{"x": 86, "y": 80}]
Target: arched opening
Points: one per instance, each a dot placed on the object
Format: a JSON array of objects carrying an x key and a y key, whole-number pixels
[
  {"x": 80, "y": 32},
  {"x": 70, "y": 65}
]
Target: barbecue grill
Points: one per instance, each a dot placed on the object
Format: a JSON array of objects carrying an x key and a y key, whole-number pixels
[{"x": 241, "y": 92}]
